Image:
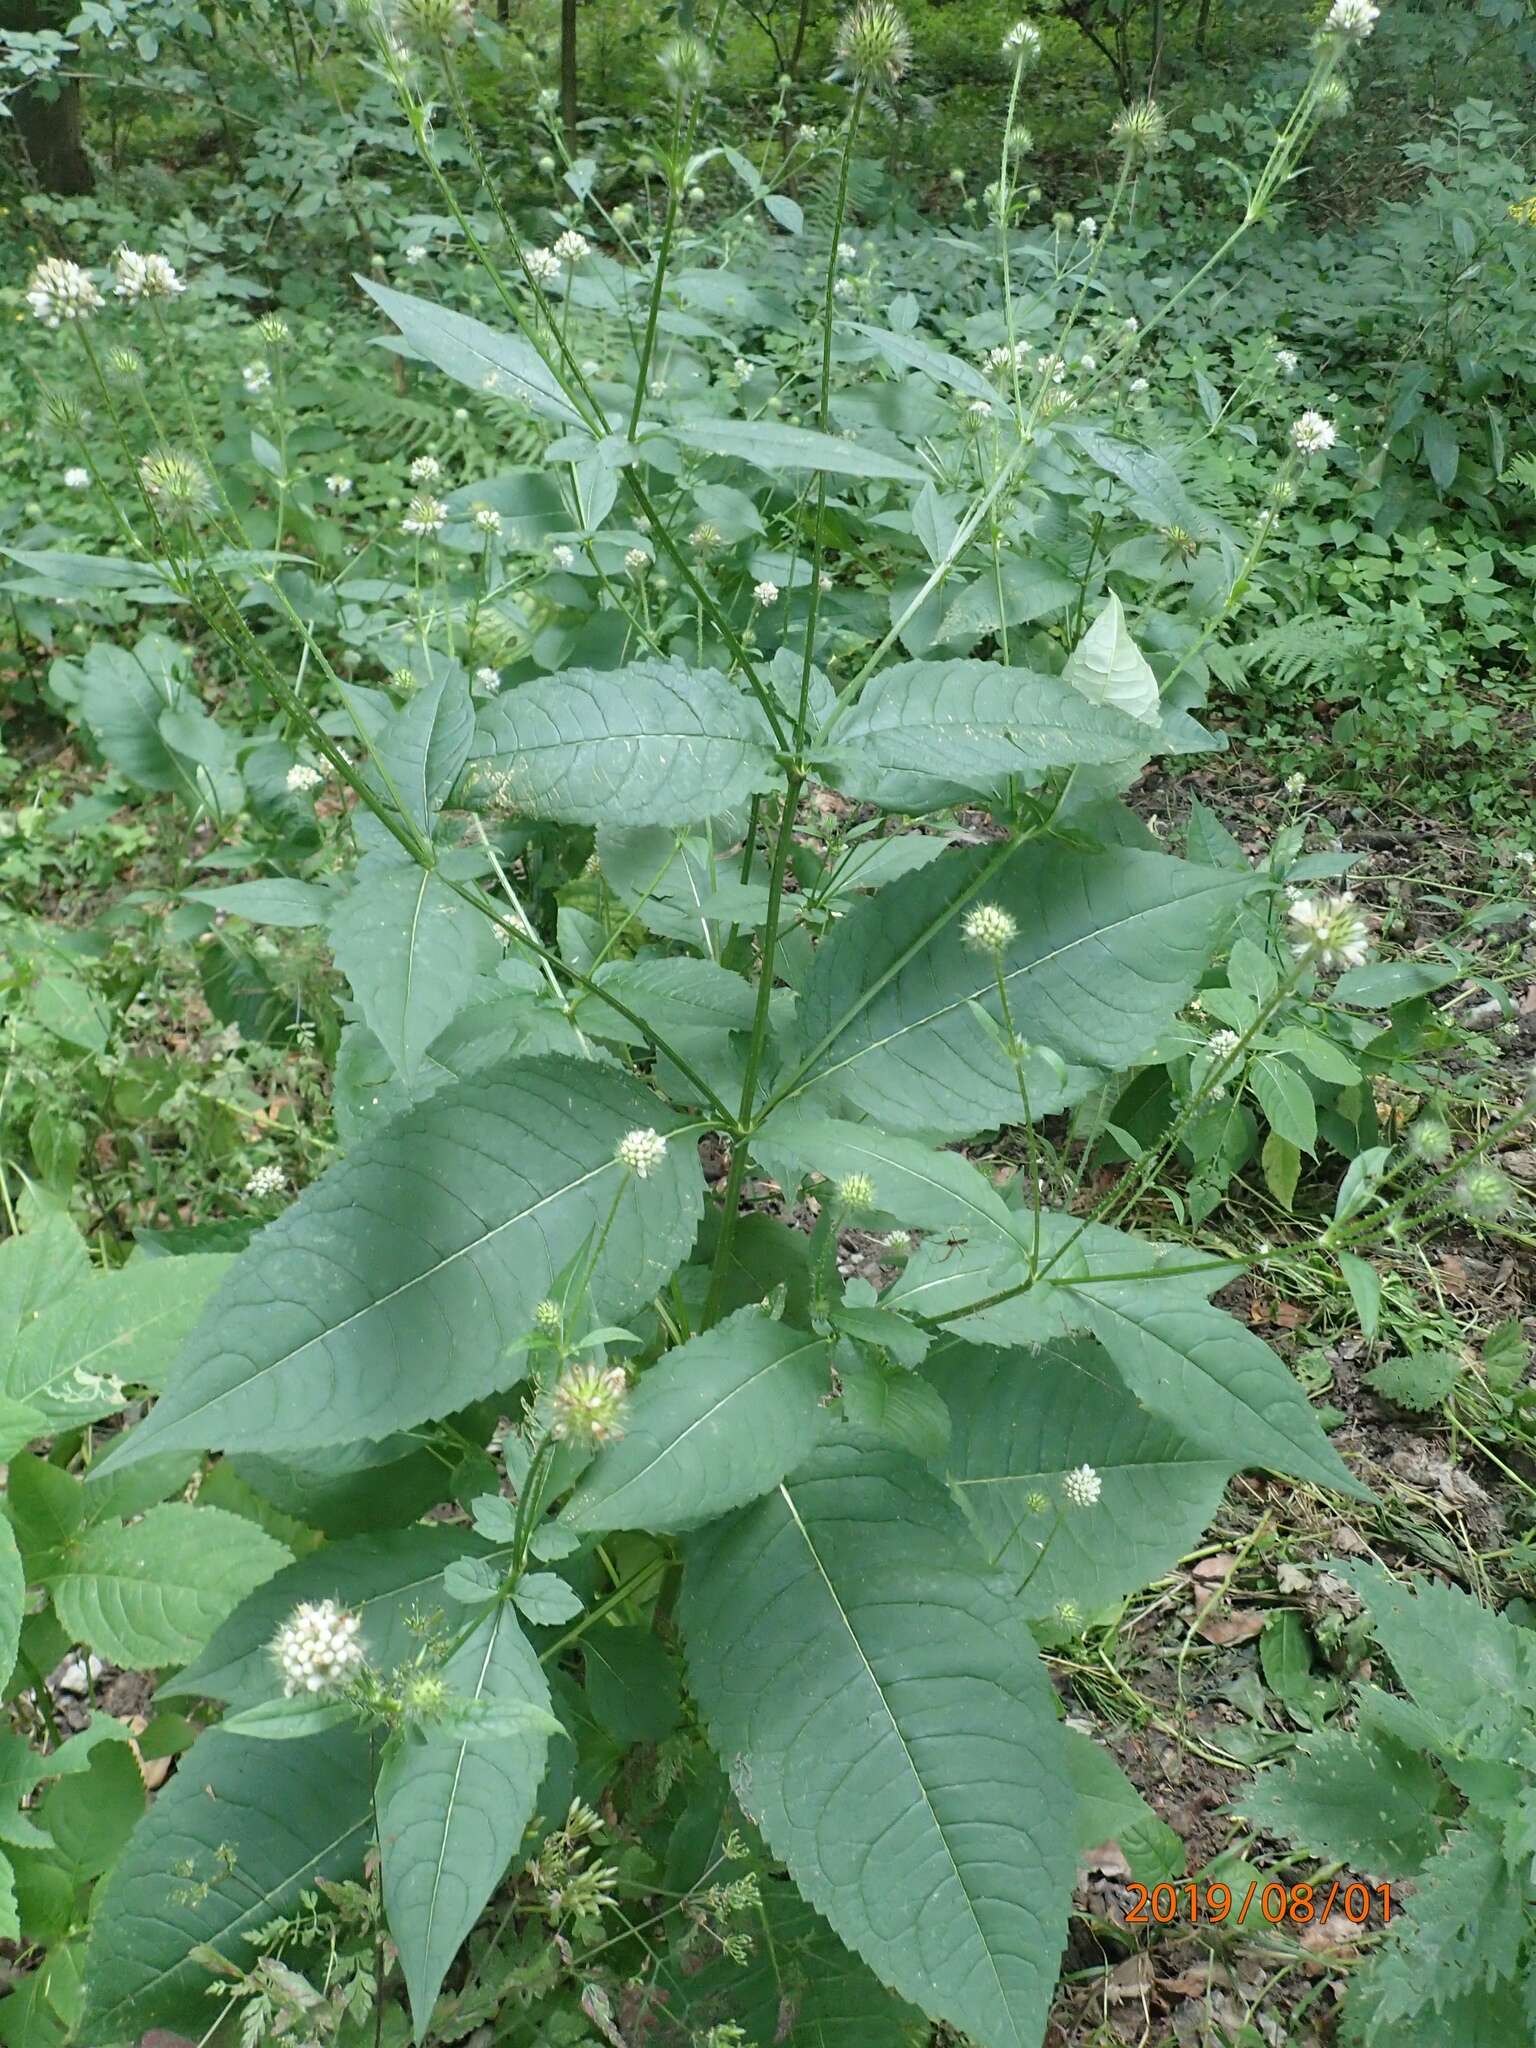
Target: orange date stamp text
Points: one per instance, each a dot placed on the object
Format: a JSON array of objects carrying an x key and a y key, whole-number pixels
[{"x": 1274, "y": 1904}]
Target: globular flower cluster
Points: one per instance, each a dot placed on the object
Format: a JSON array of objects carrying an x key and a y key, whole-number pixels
[
  {"x": 765, "y": 593},
  {"x": 1352, "y": 19},
  {"x": 486, "y": 519},
  {"x": 1082, "y": 1487},
  {"x": 1222, "y": 1044},
  {"x": 301, "y": 778},
  {"x": 1287, "y": 361},
  {"x": 587, "y": 1405},
  {"x": 855, "y": 1191},
  {"x": 426, "y": 469},
  {"x": 1141, "y": 129},
  {"x": 1331, "y": 931},
  {"x": 1312, "y": 434},
  {"x": 572, "y": 247},
  {"x": 144, "y": 277},
  {"x": 174, "y": 483},
  {"x": 874, "y": 45},
  {"x": 318, "y": 1649},
  {"x": 424, "y": 517},
  {"x": 59, "y": 290},
  {"x": 641, "y": 1151},
  {"x": 267, "y": 1180},
  {"x": 989, "y": 928},
  {"x": 1430, "y": 1139},
  {"x": 542, "y": 265}
]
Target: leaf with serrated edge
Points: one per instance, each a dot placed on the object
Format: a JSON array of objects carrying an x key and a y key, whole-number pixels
[
  {"x": 891, "y": 1729},
  {"x": 1111, "y": 943},
  {"x": 652, "y": 744},
  {"x": 1109, "y": 669},
  {"x": 391, "y": 1291},
  {"x": 927, "y": 1189},
  {"x": 717, "y": 1422},
  {"x": 122, "y": 1325},
  {"x": 153, "y": 1591},
  {"x": 452, "y": 1811}
]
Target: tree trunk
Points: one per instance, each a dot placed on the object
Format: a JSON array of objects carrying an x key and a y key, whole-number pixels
[
  {"x": 48, "y": 117},
  {"x": 568, "y": 72}
]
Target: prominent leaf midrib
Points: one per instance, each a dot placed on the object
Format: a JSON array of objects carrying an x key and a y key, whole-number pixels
[
  {"x": 973, "y": 1203},
  {"x": 458, "y": 1771},
  {"x": 986, "y": 985},
  {"x": 916, "y": 1775},
  {"x": 236, "y": 1927},
  {"x": 381, "y": 1301},
  {"x": 1117, "y": 1465},
  {"x": 80, "y": 1361},
  {"x": 667, "y": 1450}
]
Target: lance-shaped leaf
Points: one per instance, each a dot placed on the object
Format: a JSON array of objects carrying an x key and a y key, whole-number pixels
[
  {"x": 651, "y": 744},
  {"x": 1109, "y": 669},
  {"x": 123, "y": 1325},
  {"x": 1110, "y": 944},
  {"x": 1203, "y": 1370},
  {"x": 890, "y": 1726},
  {"x": 413, "y": 952},
  {"x": 1020, "y": 1421},
  {"x": 930, "y": 1190},
  {"x": 930, "y": 733},
  {"x": 452, "y": 1810},
  {"x": 227, "y": 1846},
  {"x": 475, "y": 354},
  {"x": 719, "y": 1421},
  {"x": 13, "y": 1598},
  {"x": 768, "y": 445},
  {"x": 394, "y": 1289}
]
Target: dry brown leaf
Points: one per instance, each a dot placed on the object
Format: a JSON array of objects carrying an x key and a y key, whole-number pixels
[{"x": 1240, "y": 1626}]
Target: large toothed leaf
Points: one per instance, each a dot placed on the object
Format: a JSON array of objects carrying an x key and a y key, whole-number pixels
[
  {"x": 413, "y": 952},
  {"x": 930, "y": 733},
  {"x": 499, "y": 364},
  {"x": 719, "y": 1421},
  {"x": 927, "y": 1189},
  {"x": 228, "y": 1845},
  {"x": 766, "y": 444},
  {"x": 123, "y": 1325},
  {"x": 154, "y": 1590},
  {"x": 392, "y": 1289},
  {"x": 1109, "y": 669},
  {"x": 1110, "y": 944},
  {"x": 652, "y": 744},
  {"x": 890, "y": 1726},
  {"x": 1203, "y": 1370},
  {"x": 452, "y": 1811},
  {"x": 1019, "y": 1422}
]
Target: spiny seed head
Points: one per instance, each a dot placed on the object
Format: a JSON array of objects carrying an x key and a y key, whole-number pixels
[
  {"x": 1082, "y": 1487},
  {"x": 1483, "y": 1193},
  {"x": 1037, "y": 1503},
  {"x": 1069, "y": 1616},
  {"x": 989, "y": 928},
  {"x": 318, "y": 1648},
  {"x": 1330, "y": 931},
  {"x": 546, "y": 1316},
  {"x": 1430, "y": 1140},
  {"x": 587, "y": 1405},
  {"x": 641, "y": 1151},
  {"x": 425, "y": 1696},
  {"x": 429, "y": 22},
  {"x": 175, "y": 483},
  {"x": 874, "y": 45},
  {"x": 1334, "y": 99},
  {"x": 124, "y": 362},
  {"x": 855, "y": 1191},
  {"x": 64, "y": 410},
  {"x": 685, "y": 63},
  {"x": 1021, "y": 45},
  {"x": 274, "y": 329},
  {"x": 59, "y": 290},
  {"x": 1141, "y": 130}
]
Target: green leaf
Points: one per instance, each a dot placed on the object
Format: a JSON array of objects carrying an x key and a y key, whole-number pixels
[
  {"x": 1281, "y": 1161},
  {"x": 13, "y": 1597},
  {"x": 272, "y": 901},
  {"x": 1359, "y": 1797},
  {"x": 72, "y": 1359},
  {"x": 1110, "y": 1809},
  {"x": 228, "y": 1845},
  {"x": 1202, "y": 1369},
  {"x": 1420, "y": 1381},
  {"x": 1286, "y": 1101},
  {"x": 673, "y": 996},
  {"x": 1463, "y": 1934},
  {"x": 545, "y": 1599},
  {"x": 154, "y": 1591},
  {"x": 1109, "y": 668},
  {"x": 1469, "y": 1670},
  {"x": 1364, "y": 1284},
  {"x": 892, "y": 1732},
  {"x": 1110, "y": 945},
  {"x": 910, "y": 352},
  {"x": 927, "y": 1189},
  {"x": 452, "y": 1810},
  {"x": 43, "y": 1265},
  {"x": 475, "y": 354},
  {"x": 767, "y": 445},
  {"x": 384, "y": 1579},
  {"x": 391, "y": 1291},
  {"x": 927, "y": 734},
  {"x": 288, "y": 1720},
  {"x": 717, "y": 1422},
  {"x": 1021, "y": 1421},
  {"x": 413, "y": 952},
  {"x": 652, "y": 744},
  {"x": 632, "y": 1683}
]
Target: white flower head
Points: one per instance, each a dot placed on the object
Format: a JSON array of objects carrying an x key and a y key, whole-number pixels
[
  {"x": 1088, "y": 226},
  {"x": 424, "y": 517},
  {"x": 486, "y": 519},
  {"x": 641, "y": 1151},
  {"x": 824, "y": 581},
  {"x": 1331, "y": 931},
  {"x": 847, "y": 255},
  {"x": 144, "y": 277},
  {"x": 1295, "y": 784},
  {"x": 562, "y": 556},
  {"x": 542, "y": 265},
  {"x": 572, "y": 247},
  {"x": 77, "y": 479},
  {"x": 488, "y": 679},
  {"x": 426, "y": 469},
  {"x": 1222, "y": 1044},
  {"x": 301, "y": 778},
  {"x": 59, "y": 290},
  {"x": 1082, "y": 1487},
  {"x": 338, "y": 485},
  {"x": 1130, "y": 324},
  {"x": 1287, "y": 362},
  {"x": 989, "y": 928},
  {"x": 843, "y": 288},
  {"x": 318, "y": 1648},
  {"x": 765, "y": 593},
  {"x": 637, "y": 560},
  {"x": 1311, "y": 434},
  {"x": 415, "y": 254},
  {"x": 266, "y": 1181},
  {"x": 741, "y": 369},
  {"x": 1088, "y": 364},
  {"x": 1022, "y": 42},
  {"x": 256, "y": 377},
  {"x": 1138, "y": 387},
  {"x": 1352, "y": 19}
]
